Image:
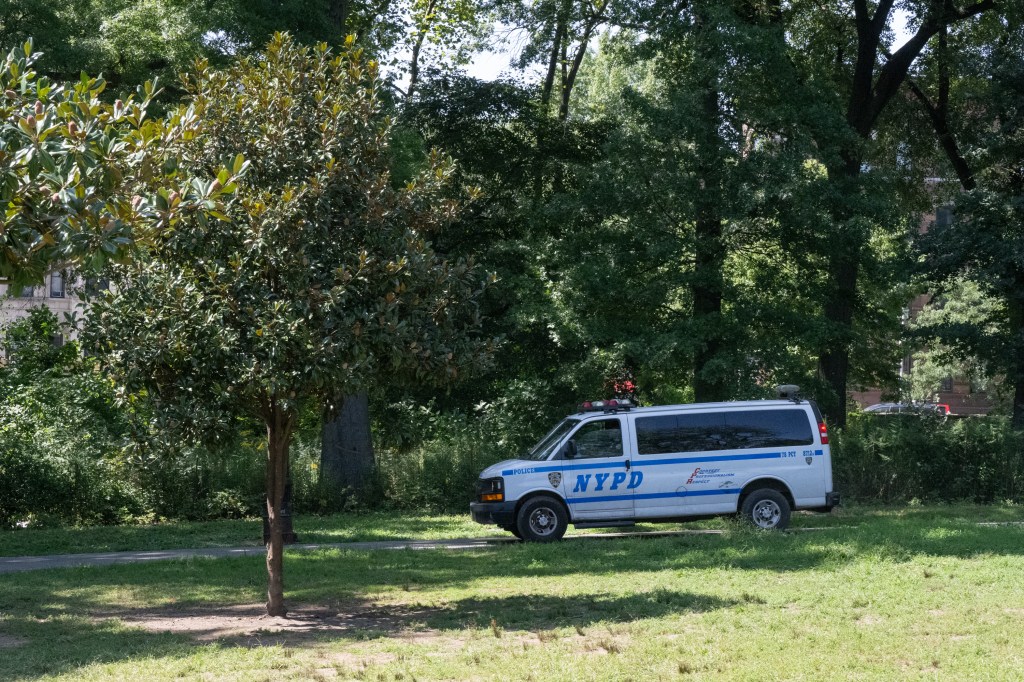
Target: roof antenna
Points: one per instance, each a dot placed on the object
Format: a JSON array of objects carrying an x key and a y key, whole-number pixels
[{"x": 788, "y": 392}]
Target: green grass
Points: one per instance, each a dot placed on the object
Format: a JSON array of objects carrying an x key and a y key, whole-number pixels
[
  {"x": 913, "y": 593},
  {"x": 392, "y": 525},
  {"x": 237, "y": 533}
]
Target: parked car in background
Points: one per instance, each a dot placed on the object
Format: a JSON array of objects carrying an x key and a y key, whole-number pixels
[{"x": 940, "y": 409}]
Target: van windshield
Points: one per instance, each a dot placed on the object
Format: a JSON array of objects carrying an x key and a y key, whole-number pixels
[{"x": 542, "y": 450}]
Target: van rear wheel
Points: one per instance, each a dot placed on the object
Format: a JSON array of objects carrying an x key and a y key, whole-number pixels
[
  {"x": 542, "y": 519},
  {"x": 767, "y": 509}
]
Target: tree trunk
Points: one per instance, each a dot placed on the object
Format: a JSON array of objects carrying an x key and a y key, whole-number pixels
[
  {"x": 1015, "y": 307},
  {"x": 414, "y": 61},
  {"x": 868, "y": 98},
  {"x": 1017, "y": 420},
  {"x": 707, "y": 286},
  {"x": 709, "y": 252},
  {"x": 279, "y": 433},
  {"x": 346, "y": 452},
  {"x": 556, "y": 49},
  {"x": 338, "y": 15},
  {"x": 840, "y": 297}
]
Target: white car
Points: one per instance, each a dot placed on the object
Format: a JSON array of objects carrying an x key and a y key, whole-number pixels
[{"x": 613, "y": 464}]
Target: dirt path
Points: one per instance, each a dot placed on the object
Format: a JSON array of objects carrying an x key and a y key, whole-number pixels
[{"x": 37, "y": 563}]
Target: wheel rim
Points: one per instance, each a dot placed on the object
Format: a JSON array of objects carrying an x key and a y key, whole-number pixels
[
  {"x": 543, "y": 521},
  {"x": 766, "y": 514}
]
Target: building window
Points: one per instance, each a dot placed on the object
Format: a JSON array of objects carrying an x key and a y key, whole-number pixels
[
  {"x": 95, "y": 286},
  {"x": 943, "y": 216},
  {"x": 947, "y": 385},
  {"x": 58, "y": 340},
  {"x": 57, "y": 285},
  {"x": 28, "y": 292}
]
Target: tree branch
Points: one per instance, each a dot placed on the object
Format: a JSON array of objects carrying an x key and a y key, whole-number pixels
[
  {"x": 895, "y": 70},
  {"x": 881, "y": 16},
  {"x": 948, "y": 141}
]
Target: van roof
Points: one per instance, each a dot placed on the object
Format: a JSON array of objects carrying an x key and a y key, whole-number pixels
[{"x": 691, "y": 407}]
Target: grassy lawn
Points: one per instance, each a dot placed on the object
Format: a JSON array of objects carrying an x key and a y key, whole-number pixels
[
  {"x": 238, "y": 533},
  {"x": 393, "y": 525},
  {"x": 917, "y": 593}
]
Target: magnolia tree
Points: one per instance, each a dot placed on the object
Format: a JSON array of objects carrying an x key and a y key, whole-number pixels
[
  {"x": 316, "y": 279},
  {"x": 82, "y": 180}
]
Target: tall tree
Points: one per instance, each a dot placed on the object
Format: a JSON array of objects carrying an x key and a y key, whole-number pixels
[
  {"x": 984, "y": 242},
  {"x": 698, "y": 196},
  {"x": 318, "y": 277},
  {"x": 442, "y": 34},
  {"x": 854, "y": 58}
]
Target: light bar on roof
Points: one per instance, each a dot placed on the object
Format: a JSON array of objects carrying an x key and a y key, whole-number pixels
[{"x": 606, "y": 405}]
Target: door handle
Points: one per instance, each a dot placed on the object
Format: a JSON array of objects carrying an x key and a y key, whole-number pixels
[{"x": 627, "y": 465}]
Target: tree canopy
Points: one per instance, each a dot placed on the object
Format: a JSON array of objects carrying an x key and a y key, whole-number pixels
[{"x": 317, "y": 277}]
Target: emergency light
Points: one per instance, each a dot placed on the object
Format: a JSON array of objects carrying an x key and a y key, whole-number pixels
[{"x": 606, "y": 405}]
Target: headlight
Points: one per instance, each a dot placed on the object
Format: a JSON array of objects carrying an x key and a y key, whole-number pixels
[{"x": 491, "y": 489}]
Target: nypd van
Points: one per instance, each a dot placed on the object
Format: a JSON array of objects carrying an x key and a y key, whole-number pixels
[{"x": 613, "y": 464}]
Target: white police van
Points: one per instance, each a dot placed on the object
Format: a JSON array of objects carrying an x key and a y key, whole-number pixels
[{"x": 613, "y": 464}]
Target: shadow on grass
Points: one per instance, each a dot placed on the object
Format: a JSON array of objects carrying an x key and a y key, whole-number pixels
[
  {"x": 886, "y": 539},
  {"x": 62, "y": 644},
  {"x": 65, "y": 619},
  {"x": 545, "y": 612}
]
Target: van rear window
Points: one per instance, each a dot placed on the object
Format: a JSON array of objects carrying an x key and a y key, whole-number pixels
[{"x": 728, "y": 430}]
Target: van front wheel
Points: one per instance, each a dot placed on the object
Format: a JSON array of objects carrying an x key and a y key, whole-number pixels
[
  {"x": 767, "y": 509},
  {"x": 514, "y": 529},
  {"x": 542, "y": 519}
]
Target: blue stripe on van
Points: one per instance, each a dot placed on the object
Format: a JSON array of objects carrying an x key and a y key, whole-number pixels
[
  {"x": 652, "y": 496},
  {"x": 639, "y": 461}
]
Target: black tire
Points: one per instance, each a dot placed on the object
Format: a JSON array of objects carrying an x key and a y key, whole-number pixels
[
  {"x": 514, "y": 530},
  {"x": 766, "y": 509},
  {"x": 542, "y": 519}
]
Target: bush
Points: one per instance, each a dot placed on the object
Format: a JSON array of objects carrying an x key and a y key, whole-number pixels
[
  {"x": 71, "y": 454},
  {"x": 440, "y": 470},
  {"x": 59, "y": 457},
  {"x": 896, "y": 458}
]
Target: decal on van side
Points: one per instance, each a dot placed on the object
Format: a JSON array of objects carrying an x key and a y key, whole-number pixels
[{"x": 583, "y": 481}]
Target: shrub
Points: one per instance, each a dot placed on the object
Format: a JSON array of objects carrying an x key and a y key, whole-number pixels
[
  {"x": 70, "y": 455},
  {"x": 59, "y": 456},
  {"x": 898, "y": 458},
  {"x": 440, "y": 470}
]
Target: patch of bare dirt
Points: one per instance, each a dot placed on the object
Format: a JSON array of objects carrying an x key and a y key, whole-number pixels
[
  {"x": 12, "y": 642},
  {"x": 249, "y": 624}
]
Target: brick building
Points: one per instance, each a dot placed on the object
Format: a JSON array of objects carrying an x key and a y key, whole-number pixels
[
  {"x": 957, "y": 392},
  {"x": 55, "y": 293}
]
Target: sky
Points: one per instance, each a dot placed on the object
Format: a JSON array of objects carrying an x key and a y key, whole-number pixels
[{"x": 490, "y": 64}]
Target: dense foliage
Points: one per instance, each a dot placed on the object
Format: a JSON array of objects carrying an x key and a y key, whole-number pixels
[
  {"x": 83, "y": 180},
  {"x": 682, "y": 201},
  {"x": 900, "y": 458}
]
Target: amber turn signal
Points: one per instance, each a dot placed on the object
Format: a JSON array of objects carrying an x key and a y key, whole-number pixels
[{"x": 492, "y": 497}]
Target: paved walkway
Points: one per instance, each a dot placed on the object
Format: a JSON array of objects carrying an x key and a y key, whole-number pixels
[{"x": 35, "y": 563}]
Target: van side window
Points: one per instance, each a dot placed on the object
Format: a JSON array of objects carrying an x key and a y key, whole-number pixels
[
  {"x": 767, "y": 429},
  {"x": 726, "y": 430},
  {"x": 680, "y": 433},
  {"x": 602, "y": 438}
]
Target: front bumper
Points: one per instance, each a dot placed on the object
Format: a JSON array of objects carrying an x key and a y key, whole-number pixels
[{"x": 497, "y": 513}]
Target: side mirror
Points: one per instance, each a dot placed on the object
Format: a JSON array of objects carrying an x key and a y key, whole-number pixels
[{"x": 569, "y": 450}]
